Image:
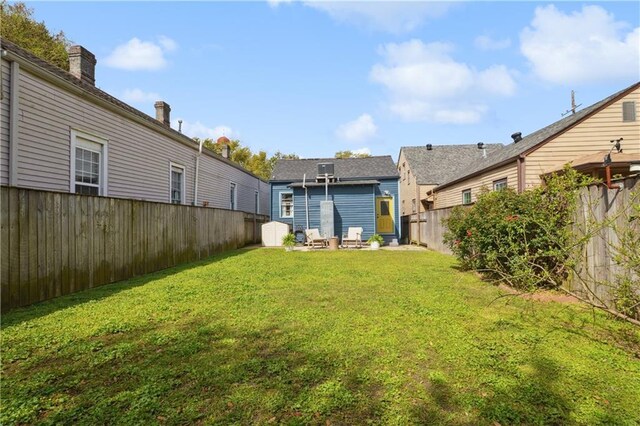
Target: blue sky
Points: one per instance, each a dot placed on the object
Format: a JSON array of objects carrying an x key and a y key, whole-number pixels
[{"x": 315, "y": 78}]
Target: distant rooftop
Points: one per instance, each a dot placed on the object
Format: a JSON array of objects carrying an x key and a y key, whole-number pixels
[
  {"x": 344, "y": 168},
  {"x": 433, "y": 166}
]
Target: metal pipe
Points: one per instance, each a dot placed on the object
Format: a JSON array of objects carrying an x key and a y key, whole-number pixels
[
  {"x": 326, "y": 187},
  {"x": 195, "y": 189},
  {"x": 306, "y": 199},
  {"x": 607, "y": 171}
]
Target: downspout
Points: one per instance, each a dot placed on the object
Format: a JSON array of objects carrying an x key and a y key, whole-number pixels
[
  {"x": 326, "y": 187},
  {"x": 195, "y": 189},
  {"x": 13, "y": 124},
  {"x": 521, "y": 174},
  {"x": 306, "y": 199},
  {"x": 418, "y": 204}
]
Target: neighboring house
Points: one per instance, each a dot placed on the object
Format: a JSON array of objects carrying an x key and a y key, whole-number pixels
[
  {"x": 364, "y": 192},
  {"x": 576, "y": 139},
  {"x": 61, "y": 133},
  {"x": 422, "y": 168}
]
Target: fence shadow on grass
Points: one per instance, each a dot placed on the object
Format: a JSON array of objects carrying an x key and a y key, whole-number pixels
[{"x": 19, "y": 315}]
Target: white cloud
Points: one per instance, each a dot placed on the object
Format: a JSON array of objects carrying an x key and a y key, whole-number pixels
[
  {"x": 497, "y": 79},
  {"x": 485, "y": 42},
  {"x": 425, "y": 83},
  {"x": 276, "y": 3},
  {"x": 141, "y": 55},
  {"x": 138, "y": 96},
  {"x": 358, "y": 130},
  {"x": 167, "y": 44},
  {"x": 394, "y": 17},
  {"x": 199, "y": 130},
  {"x": 584, "y": 46}
]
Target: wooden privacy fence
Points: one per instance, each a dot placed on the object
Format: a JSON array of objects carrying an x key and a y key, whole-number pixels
[
  {"x": 429, "y": 229},
  {"x": 57, "y": 243},
  {"x": 597, "y": 271}
]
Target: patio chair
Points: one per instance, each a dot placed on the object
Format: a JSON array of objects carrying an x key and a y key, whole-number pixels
[
  {"x": 353, "y": 238},
  {"x": 314, "y": 239}
]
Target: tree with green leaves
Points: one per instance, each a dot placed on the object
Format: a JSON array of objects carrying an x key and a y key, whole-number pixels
[
  {"x": 18, "y": 26},
  {"x": 257, "y": 163},
  {"x": 351, "y": 154}
]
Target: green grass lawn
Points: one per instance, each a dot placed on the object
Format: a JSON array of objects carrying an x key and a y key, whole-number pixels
[{"x": 349, "y": 337}]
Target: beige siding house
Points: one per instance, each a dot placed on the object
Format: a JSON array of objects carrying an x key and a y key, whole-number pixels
[
  {"x": 61, "y": 133},
  {"x": 576, "y": 139},
  {"x": 422, "y": 168}
]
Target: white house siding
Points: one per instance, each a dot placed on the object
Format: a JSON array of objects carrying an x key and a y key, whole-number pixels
[
  {"x": 138, "y": 157},
  {"x": 589, "y": 137},
  {"x": 215, "y": 181},
  {"x": 4, "y": 123}
]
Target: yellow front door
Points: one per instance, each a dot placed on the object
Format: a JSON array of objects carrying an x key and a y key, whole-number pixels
[{"x": 384, "y": 215}]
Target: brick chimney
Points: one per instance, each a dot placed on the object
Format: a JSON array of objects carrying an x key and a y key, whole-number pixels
[
  {"x": 163, "y": 112},
  {"x": 82, "y": 64}
]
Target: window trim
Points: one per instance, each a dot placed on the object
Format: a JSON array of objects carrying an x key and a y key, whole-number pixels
[
  {"x": 183, "y": 192},
  {"x": 233, "y": 203},
  {"x": 466, "y": 191},
  {"x": 104, "y": 159},
  {"x": 280, "y": 204},
  {"x": 499, "y": 182}
]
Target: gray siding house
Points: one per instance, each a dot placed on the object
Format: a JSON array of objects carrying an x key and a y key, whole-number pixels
[{"x": 58, "y": 132}]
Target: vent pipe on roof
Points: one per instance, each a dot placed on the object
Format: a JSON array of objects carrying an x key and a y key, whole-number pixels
[
  {"x": 429, "y": 147},
  {"x": 517, "y": 137},
  {"x": 483, "y": 148}
]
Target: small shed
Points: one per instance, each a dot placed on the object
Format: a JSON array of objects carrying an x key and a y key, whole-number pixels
[{"x": 272, "y": 233}]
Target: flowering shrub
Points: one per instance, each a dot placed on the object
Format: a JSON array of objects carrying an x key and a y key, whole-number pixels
[{"x": 524, "y": 239}]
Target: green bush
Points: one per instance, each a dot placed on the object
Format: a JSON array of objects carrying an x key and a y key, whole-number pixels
[{"x": 524, "y": 239}]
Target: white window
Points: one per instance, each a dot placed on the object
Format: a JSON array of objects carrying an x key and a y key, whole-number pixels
[
  {"x": 233, "y": 196},
  {"x": 88, "y": 164},
  {"x": 286, "y": 204},
  {"x": 413, "y": 205},
  {"x": 499, "y": 184},
  {"x": 466, "y": 196},
  {"x": 629, "y": 111},
  {"x": 176, "y": 184}
]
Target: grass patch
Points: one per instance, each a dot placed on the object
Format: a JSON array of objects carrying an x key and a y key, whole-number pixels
[{"x": 264, "y": 336}]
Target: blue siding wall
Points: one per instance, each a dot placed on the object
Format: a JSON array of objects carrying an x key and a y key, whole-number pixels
[
  {"x": 276, "y": 189},
  {"x": 353, "y": 206}
]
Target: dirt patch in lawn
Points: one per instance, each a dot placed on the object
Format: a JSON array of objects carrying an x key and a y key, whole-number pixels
[{"x": 541, "y": 295}]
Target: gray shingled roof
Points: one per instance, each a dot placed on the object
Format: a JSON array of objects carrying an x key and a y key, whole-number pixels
[
  {"x": 70, "y": 78},
  {"x": 528, "y": 142},
  {"x": 344, "y": 168},
  {"x": 436, "y": 165}
]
